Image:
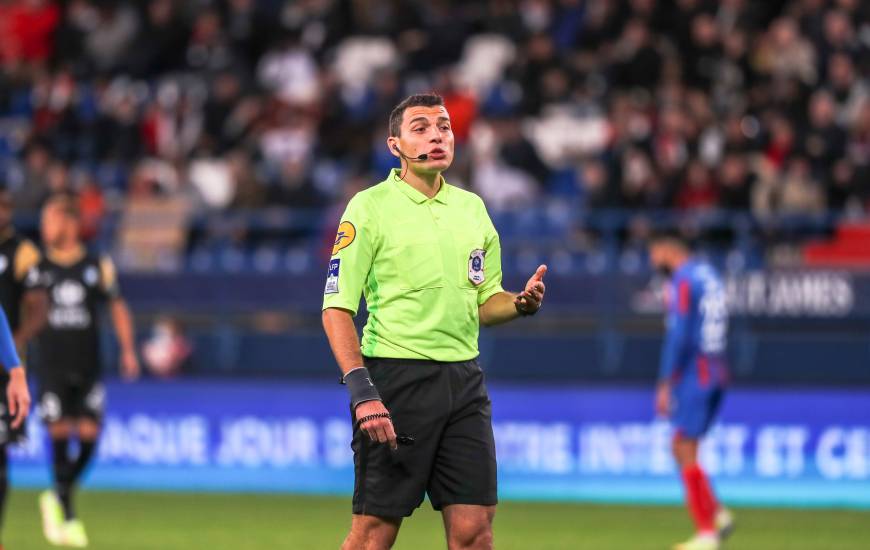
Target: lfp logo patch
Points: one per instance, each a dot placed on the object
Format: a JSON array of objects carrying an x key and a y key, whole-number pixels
[
  {"x": 345, "y": 236},
  {"x": 332, "y": 277}
]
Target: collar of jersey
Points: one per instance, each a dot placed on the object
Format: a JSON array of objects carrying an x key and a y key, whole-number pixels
[
  {"x": 66, "y": 258},
  {"x": 417, "y": 196}
]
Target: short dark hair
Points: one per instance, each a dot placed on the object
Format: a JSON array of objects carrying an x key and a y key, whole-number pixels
[
  {"x": 67, "y": 204},
  {"x": 672, "y": 236},
  {"x": 416, "y": 100}
]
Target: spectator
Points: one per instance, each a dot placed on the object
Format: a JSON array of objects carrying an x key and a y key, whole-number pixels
[
  {"x": 167, "y": 351},
  {"x": 735, "y": 183},
  {"x": 686, "y": 104},
  {"x": 36, "y": 185}
]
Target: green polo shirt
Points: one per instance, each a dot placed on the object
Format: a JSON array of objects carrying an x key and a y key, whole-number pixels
[{"x": 423, "y": 265}]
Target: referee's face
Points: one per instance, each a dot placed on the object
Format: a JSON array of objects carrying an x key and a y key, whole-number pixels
[{"x": 427, "y": 130}]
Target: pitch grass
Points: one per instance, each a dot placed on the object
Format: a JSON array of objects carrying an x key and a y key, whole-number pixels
[{"x": 148, "y": 521}]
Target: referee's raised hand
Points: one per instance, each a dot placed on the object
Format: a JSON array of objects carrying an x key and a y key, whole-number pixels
[
  {"x": 379, "y": 428},
  {"x": 531, "y": 298}
]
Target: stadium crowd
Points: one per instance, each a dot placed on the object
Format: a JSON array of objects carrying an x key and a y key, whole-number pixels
[{"x": 632, "y": 104}]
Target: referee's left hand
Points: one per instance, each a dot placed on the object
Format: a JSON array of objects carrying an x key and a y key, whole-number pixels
[{"x": 530, "y": 299}]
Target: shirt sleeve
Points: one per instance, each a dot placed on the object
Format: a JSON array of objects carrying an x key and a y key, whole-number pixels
[
  {"x": 8, "y": 355},
  {"x": 27, "y": 257},
  {"x": 109, "y": 279},
  {"x": 492, "y": 261},
  {"x": 677, "y": 331},
  {"x": 351, "y": 260}
]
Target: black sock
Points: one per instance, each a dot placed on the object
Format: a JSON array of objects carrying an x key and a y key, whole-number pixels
[
  {"x": 4, "y": 482},
  {"x": 63, "y": 475},
  {"x": 86, "y": 452}
]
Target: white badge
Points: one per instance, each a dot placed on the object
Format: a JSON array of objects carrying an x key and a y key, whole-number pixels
[
  {"x": 475, "y": 266},
  {"x": 332, "y": 277}
]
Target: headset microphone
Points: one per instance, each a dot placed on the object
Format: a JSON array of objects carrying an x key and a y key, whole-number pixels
[{"x": 421, "y": 156}]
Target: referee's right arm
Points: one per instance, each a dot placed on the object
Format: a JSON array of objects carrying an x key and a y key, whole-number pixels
[{"x": 351, "y": 260}]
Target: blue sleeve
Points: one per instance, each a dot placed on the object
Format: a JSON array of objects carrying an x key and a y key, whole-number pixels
[
  {"x": 678, "y": 331},
  {"x": 8, "y": 354}
]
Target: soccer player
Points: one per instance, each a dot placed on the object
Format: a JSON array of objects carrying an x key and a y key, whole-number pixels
[
  {"x": 427, "y": 259},
  {"x": 25, "y": 305},
  {"x": 693, "y": 375},
  {"x": 16, "y": 396},
  {"x": 67, "y": 359}
]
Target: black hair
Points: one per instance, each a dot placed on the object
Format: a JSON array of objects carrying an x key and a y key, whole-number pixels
[
  {"x": 671, "y": 236},
  {"x": 67, "y": 202},
  {"x": 416, "y": 100}
]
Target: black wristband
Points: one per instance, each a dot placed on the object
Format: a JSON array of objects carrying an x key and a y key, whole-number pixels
[
  {"x": 524, "y": 313},
  {"x": 359, "y": 385}
]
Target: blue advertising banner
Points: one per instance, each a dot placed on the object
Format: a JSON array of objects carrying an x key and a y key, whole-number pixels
[
  {"x": 784, "y": 447},
  {"x": 785, "y": 294}
]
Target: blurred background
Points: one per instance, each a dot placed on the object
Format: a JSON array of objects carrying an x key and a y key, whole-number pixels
[{"x": 214, "y": 144}]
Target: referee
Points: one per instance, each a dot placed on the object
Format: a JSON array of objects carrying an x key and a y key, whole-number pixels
[{"x": 427, "y": 259}]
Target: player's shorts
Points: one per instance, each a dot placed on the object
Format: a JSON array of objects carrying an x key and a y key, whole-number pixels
[
  {"x": 695, "y": 408},
  {"x": 62, "y": 398},
  {"x": 8, "y": 434},
  {"x": 445, "y": 408}
]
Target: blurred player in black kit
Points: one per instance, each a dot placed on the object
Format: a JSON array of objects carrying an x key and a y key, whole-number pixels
[
  {"x": 67, "y": 358},
  {"x": 25, "y": 304}
]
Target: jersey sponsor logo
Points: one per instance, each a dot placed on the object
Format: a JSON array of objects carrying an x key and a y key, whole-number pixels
[
  {"x": 69, "y": 294},
  {"x": 68, "y": 306},
  {"x": 476, "y": 272},
  {"x": 346, "y": 234},
  {"x": 332, "y": 277}
]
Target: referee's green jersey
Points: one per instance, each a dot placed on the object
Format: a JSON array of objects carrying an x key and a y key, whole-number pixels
[{"x": 423, "y": 265}]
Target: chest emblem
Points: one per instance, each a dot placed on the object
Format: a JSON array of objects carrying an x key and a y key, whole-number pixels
[
  {"x": 91, "y": 276},
  {"x": 475, "y": 266}
]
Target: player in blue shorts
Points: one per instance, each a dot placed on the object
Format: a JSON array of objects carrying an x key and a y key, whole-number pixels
[{"x": 693, "y": 375}]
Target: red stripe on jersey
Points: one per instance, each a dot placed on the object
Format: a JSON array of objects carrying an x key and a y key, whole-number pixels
[
  {"x": 703, "y": 371},
  {"x": 685, "y": 297}
]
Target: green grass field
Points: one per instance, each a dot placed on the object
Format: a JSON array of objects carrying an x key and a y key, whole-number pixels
[{"x": 135, "y": 521}]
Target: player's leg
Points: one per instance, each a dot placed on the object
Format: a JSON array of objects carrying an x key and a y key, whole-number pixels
[
  {"x": 89, "y": 434},
  {"x": 60, "y": 432},
  {"x": 390, "y": 485},
  {"x": 51, "y": 501},
  {"x": 4, "y": 484},
  {"x": 695, "y": 414},
  {"x": 88, "y": 431},
  {"x": 372, "y": 533},
  {"x": 8, "y": 436},
  {"x": 88, "y": 402},
  {"x": 464, "y": 482},
  {"x": 468, "y": 526}
]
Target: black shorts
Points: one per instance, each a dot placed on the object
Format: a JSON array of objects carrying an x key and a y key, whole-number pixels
[
  {"x": 8, "y": 435},
  {"x": 61, "y": 398},
  {"x": 445, "y": 408}
]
